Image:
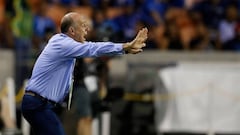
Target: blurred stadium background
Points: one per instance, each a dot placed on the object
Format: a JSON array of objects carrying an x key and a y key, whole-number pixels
[{"x": 185, "y": 83}]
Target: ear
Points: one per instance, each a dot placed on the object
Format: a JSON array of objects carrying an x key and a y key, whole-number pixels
[{"x": 71, "y": 30}]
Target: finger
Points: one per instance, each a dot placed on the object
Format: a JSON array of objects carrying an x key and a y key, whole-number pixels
[
  {"x": 142, "y": 32},
  {"x": 141, "y": 38},
  {"x": 144, "y": 45},
  {"x": 145, "y": 30},
  {"x": 144, "y": 38},
  {"x": 138, "y": 51},
  {"x": 135, "y": 51},
  {"x": 139, "y": 46}
]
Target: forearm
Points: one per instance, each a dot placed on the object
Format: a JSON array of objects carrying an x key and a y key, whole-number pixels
[{"x": 93, "y": 49}]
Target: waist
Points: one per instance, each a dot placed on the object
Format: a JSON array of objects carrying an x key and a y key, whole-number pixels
[{"x": 34, "y": 94}]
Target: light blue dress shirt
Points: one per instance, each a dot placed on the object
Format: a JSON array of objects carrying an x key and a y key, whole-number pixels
[{"x": 52, "y": 72}]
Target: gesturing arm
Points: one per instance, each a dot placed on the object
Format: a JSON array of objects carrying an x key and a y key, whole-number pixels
[{"x": 96, "y": 49}]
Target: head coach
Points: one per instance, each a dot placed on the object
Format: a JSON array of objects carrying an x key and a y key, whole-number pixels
[{"x": 52, "y": 72}]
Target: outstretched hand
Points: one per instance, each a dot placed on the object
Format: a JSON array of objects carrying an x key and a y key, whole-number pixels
[{"x": 138, "y": 43}]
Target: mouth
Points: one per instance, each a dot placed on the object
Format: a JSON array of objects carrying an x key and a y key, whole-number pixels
[{"x": 85, "y": 32}]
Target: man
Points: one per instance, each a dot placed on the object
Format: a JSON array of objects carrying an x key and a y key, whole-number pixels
[
  {"x": 52, "y": 72},
  {"x": 89, "y": 91}
]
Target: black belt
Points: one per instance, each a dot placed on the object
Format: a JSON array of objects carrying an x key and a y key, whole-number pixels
[{"x": 34, "y": 94}]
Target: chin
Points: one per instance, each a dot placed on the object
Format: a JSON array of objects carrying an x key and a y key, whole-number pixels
[{"x": 82, "y": 40}]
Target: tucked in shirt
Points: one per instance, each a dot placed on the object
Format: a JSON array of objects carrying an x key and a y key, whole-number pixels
[{"x": 52, "y": 72}]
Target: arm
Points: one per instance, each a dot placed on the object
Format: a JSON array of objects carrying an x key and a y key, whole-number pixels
[
  {"x": 95, "y": 49},
  {"x": 91, "y": 49}
]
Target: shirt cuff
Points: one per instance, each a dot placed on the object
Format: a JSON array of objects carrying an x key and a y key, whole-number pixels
[{"x": 120, "y": 47}]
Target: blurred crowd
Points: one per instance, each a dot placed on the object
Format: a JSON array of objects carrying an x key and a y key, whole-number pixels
[
  {"x": 195, "y": 25},
  {"x": 173, "y": 24}
]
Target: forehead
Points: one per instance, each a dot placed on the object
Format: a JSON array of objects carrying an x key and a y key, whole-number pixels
[{"x": 80, "y": 19}]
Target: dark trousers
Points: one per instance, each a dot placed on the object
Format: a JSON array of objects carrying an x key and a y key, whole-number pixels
[{"x": 41, "y": 117}]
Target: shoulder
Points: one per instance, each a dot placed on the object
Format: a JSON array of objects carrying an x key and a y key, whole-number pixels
[{"x": 59, "y": 37}]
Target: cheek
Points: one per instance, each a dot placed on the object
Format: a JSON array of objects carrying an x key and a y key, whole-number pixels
[
  {"x": 80, "y": 33},
  {"x": 82, "y": 30}
]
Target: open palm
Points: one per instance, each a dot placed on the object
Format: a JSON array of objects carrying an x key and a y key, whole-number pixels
[{"x": 138, "y": 43}]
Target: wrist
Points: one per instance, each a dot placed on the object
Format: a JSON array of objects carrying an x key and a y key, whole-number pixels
[{"x": 126, "y": 47}]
